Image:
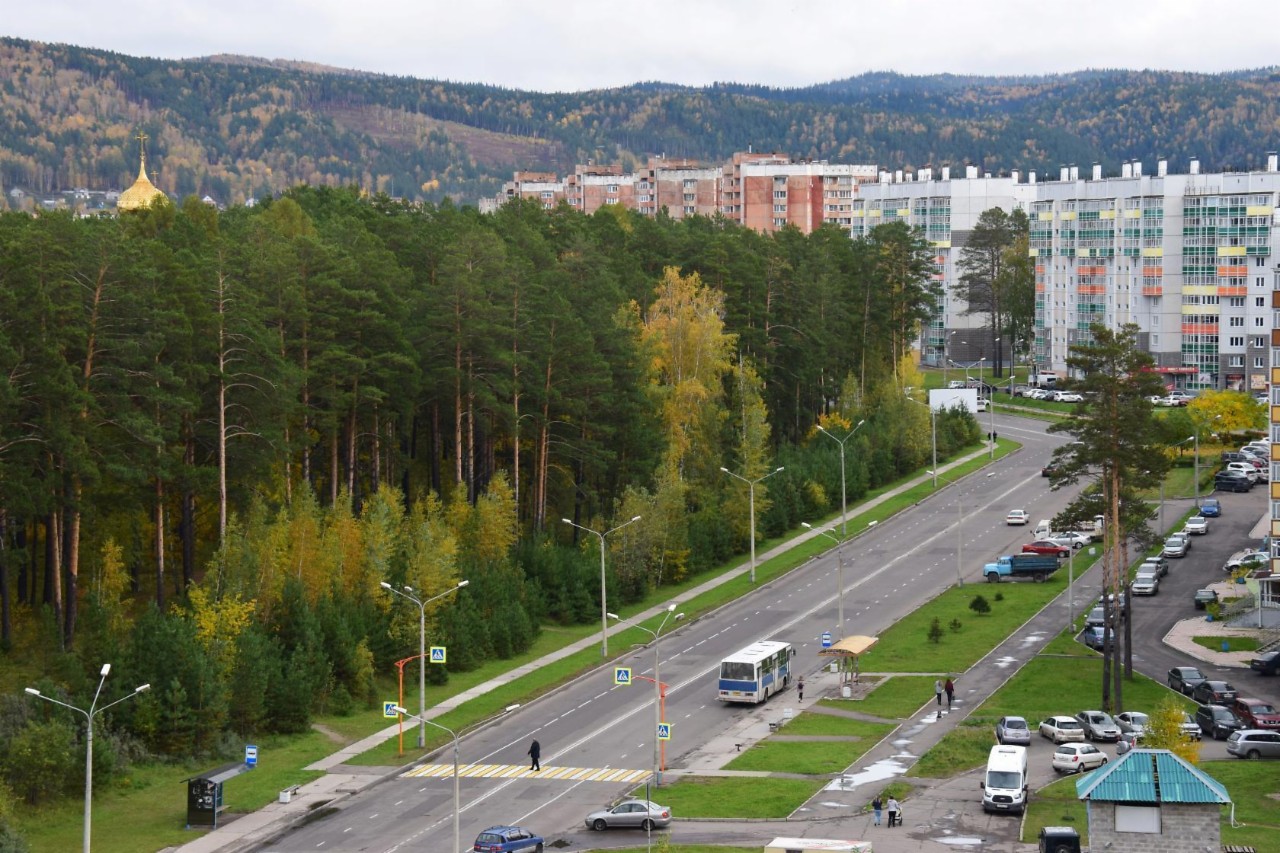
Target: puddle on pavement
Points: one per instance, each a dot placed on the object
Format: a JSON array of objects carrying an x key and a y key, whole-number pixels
[
  {"x": 1005, "y": 662},
  {"x": 884, "y": 769},
  {"x": 959, "y": 841}
]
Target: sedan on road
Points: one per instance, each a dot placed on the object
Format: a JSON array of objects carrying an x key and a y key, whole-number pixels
[
  {"x": 1210, "y": 507},
  {"x": 1067, "y": 397},
  {"x": 1046, "y": 547},
  {"x": 1017, "y": 516},
  {"x": 636, "y": 814},
  {"x": 1013, "y": 730},
  {"x": 1061, "y": 729},
  {"x": 1267, "y": 663},
  {"x": 1197, "y": 525},
  {"x": 1077, "y": 757},
  {"x": 1133, "y": 724},
  {"x": 1146, "y": 583},
  {"x": 1159, "y": 565},
  {"x": 507, "y": 839},
  {"x": 1213, "y": 692},
  {"x": 1099, "y": 726},
  {"x": 1185, "y": 678},
  {"x": 1175, "y": 546},
  {"x": 1070, "y": 540}
]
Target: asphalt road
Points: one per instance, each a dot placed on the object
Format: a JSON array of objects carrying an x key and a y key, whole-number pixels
[{"x": 889, "y": 571}]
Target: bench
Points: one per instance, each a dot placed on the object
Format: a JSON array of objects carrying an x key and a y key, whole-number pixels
[{"x": 288, "y": 793}]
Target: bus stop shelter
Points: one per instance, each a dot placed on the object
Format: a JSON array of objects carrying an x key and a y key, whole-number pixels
[{"x": 846, "y": 652}]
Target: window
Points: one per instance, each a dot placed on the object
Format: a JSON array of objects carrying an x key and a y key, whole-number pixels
[
  {"x": 1236, "y": 361},
  {"x": 1235, "y": 342},
  {"x": 1236, "y": 301},
  {"x": 1259, "y": 342},
  {"x": 1237, "y": 321},
  {"x": 613, "y": 188},
  {"x": 1257, "y": 362},
  {"x": 1259, "y": 321},
  {"x": 1259, "y": 302}
]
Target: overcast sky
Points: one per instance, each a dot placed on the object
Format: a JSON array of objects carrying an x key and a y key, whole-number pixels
[{"x": 564, "y": 45}]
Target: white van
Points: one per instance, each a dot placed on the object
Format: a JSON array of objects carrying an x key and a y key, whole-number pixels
[
  {"x": 1042, "y": 530},
  {"x": 1004, "y": 785}
]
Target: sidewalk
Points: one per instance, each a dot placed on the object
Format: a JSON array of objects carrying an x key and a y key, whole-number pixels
[{"x": 341, "y": 780}]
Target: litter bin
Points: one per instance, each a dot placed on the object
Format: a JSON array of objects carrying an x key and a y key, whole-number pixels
[
  {"x": 846, "y": 692},
  {"x": 286, "y": 796}
]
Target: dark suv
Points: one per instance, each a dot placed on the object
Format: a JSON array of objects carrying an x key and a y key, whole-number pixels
[
  {"x": 1184, "y": 679},
  {"x": 1217, "y": 722},
  {"x": 1229, "y": 481}
]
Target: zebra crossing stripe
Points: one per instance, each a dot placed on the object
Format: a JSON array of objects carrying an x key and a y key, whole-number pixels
[{"x": 519, "y": 771}]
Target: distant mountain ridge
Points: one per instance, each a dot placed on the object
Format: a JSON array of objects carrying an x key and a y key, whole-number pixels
[{"x": 233, "y": 127}]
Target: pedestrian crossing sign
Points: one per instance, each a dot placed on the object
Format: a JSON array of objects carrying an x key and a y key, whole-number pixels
[
  {"x": 389, "y": 710},
  {"x": 622, "y": 675},
  {"x": 437, "y": 654},
  {"x": 664, "y": 731}
]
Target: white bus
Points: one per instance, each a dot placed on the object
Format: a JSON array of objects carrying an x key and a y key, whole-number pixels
[{"x": 756, "y": 673}]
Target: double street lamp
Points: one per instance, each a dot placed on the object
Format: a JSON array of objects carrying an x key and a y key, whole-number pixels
[
  {"x": 839, "y": 540},
  {"x": 422, "y": 646},
  {"x": 844, "y": 512},
  {"x": 88, "y": 740},
  {"x": 604, "y": 609},
  {"x": 657, "y": 683},
  {"x": 959, "y": 523},
  {"x": 751, "y": 484}
]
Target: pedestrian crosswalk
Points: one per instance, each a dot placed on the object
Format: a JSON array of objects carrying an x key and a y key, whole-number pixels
[{"x": 520, "y": 771}]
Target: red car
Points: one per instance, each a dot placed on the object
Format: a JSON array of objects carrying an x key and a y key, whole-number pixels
[{"x": 1044, "y": 546}]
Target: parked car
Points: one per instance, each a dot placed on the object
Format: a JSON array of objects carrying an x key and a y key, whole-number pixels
[
  {"x": 1232, "y": 456},
  {"x": 1157, "y": 565},
  {"x": 1217, "y": 721},
  {"x": 1213, "y": 692},
  {"x": 1013, "y": 730},
  {"x": 1021, "y": 390},
  {"x": 1093, "y": 637},
  {"x": 1095, "y": 618},
  {"x": 1197, "y": 525},
  {"x": 1133, "y": 724},
  {"x": 1256, "y": 713},
  {"x": 1254, "y": 743},
  {"x": 1267, "y": 663},
  {"x": 1174, "y": 400},
  {"x": 1067, "y": 397},
  {"x": 1190, "y": 727},
  {"x": 1210, "y": 507},
  {"x": 1184, "y": 679},
  {"x": 1145, "y": 583},
  {"x": 507, "y": 839},
  {"x": 1017, "y": 516},
  {"x": 1061, "y": 729},
  {"x": 1204, "y": 597},
  {"x": 1246, "y": 560},
  {"x": 1246, "y": 468},
  {"x": 1046, "y": 547},
  {"x": 1175, "y": 546},
  {"x": 1099, "y": 726},
  {"x": 636, "y": 814},
  {"x": 1077, "y": 757},
  {"x": 1038, "y": 394},
  {"x": 1227, "y": 481},
  {"x": 1070, "y": 539}
]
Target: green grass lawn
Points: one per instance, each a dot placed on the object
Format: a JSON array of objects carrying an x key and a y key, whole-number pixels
[
  {"x": 776, "y": 755},
  {"x": 1234, "y": 644},
  {"x": 894, "y": 698},
  {"x": 817, "y": 724},
  {"x": 734, "y": 796},
  {"x": 1056, "y": 805}
]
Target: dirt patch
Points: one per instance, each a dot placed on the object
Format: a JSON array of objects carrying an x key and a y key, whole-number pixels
[{"x": 330, "y": 733}]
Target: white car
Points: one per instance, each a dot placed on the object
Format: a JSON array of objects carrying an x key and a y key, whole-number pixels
[
  {"x": 1017, "y": 516},
  {"x": 1061, "y": 729},
  {"x": 982, "y": 404},
  {"x": 1077, "y": 757},
  {"x": 1197, "y": 525},
  {"x": 1038, "y": 394},
  {"x": 1146, "y": 583},
  {"x": 1067, "y": 397},
  {"x": 1247, "y": 560},
  {"x": 1247, "y": 468}
]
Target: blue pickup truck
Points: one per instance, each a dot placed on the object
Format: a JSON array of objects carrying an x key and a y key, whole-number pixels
[{"x": 1035, "y": 566}]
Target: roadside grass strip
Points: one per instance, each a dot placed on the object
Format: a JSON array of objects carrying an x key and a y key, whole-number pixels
[
  {"x": 813, "y": 758},
  {"x": 735, "y": 796}
]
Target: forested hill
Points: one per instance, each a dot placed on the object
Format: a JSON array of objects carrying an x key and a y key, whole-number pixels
[{"x": 233, "y": 127}]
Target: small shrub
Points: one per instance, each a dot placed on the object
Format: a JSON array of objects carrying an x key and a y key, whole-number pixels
[
  {"x": 979, "y": 605},
  {"x": 999, "y": 596},
  {"x": 935, "y": 631},
  {"x": 956, "y": 625}
]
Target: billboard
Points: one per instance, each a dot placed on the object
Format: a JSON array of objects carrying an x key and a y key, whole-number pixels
[{"x": 950, "y": 398}]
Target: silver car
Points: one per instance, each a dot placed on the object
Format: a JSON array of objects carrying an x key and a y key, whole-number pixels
[
  {"x": 630, "y": 814},
  {"x": 1013, "y": 730},
  {"x": 1098, "y": 725},
  {"x": 1133, "y": 724},
  {"x": 1254, "y": 743}
]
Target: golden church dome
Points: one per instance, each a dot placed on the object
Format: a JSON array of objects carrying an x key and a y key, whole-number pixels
[{"x": 143, "y": 192}]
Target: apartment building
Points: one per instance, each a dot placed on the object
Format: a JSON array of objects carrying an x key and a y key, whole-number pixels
[
  {"x": 767, "y": 192},
  {"x": 1189, "y": 258}
]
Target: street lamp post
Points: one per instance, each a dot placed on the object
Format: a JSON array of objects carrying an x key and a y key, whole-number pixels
[
  {"x": 844, "y": 512},
  {"x": 604, "y": 608},
  {"x": 751, "y": 484},
  {"x": 422, "y": 645},
  {"x": 88, "y": 739},
  {"x": 839, "y": 540},
  {"x": 657, "y": 683},
  {"x": 959, "y": 525}
]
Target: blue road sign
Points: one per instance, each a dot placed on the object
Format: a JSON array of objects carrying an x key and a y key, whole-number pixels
[
  {"x": 826, "y": 639},
  {"x": 389, "y": 710},
  {"x": 437, "y": 654},
  {"x": 251, "y": 756},
  {"x": 622, "y": 675},
  {"x": 664, "y": 731}
]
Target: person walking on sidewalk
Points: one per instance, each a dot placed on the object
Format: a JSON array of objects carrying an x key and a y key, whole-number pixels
[
  {"x": 800, "y": 689},
  {"x": 893, "y": 812},
  {"x": 951, "y": 692},
  {"x": 535, "y": 750},
  {"x": 937, "y": 691},
  {"x": 876, "y": 806}
]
